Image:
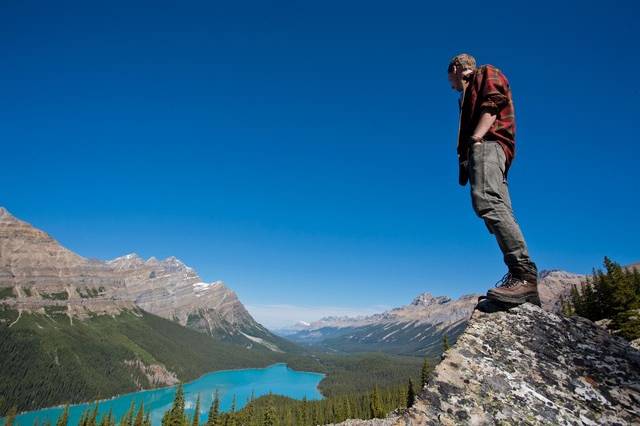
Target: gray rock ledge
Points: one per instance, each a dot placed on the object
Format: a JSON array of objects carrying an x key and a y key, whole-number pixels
[{"x": 526, "y": 366}]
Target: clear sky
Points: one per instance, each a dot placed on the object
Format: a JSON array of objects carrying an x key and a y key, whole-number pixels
[{"x": 304, "y": 152}]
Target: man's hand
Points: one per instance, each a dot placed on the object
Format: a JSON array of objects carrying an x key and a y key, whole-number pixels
[{"x": 484, "y": 124}]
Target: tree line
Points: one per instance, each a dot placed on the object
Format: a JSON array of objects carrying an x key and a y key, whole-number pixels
[
  {"x": 612, "y": 294},
  {"x": 267, "y": 410}
]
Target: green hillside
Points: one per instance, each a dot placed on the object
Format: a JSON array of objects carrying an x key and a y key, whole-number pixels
[
  {"x": 416, "y": 341},
  {"x": 47, "y": 360}
]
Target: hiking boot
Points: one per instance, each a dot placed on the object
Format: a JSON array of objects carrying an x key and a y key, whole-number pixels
[{"x": 516, "y": 290}]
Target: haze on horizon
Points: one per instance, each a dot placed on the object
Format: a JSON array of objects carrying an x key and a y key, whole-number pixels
[{"x": 305, "y": 154}]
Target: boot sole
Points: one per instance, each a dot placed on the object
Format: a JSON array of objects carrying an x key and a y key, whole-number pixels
[{"x": 531, "y": 298}]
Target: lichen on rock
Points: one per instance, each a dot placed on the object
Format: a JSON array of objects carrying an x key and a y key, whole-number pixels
[{"x": 528, "y": 366}]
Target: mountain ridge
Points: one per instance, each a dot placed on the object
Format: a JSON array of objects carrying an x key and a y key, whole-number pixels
[
  {"x": 38, "y": 274},
  {"x": 418, "y": 327}
]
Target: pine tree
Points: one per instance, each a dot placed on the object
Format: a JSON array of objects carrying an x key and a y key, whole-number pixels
[
  {"x": 347, "y": 408},
  {"x": 445, "y": 343},
  {"x": 269, "y": 418},
  {"x": 411, "y": 394},
  {"x": 196, "y": 414},
  {"x": 214, "y": 411},
  {"x": 84, "y": 418},
  {"x": 604, "y": 290},
  {"x": 424, "y": 373},
  {"x": 306, "y": 413},
  {"x": 93, "y": 420},
  {"x": 127, "y": 419},
  {"x": 565, "y": 307},
  {"x": 300, "y": 414},
  {"x": 376, "y": 403},
  {"x": 591, "y": 308},
  {"x": 576, "y": 303},
  {"x": 230, "y": 418},
  {"x": 624, "y": 294},
  {"x": 175, "y": 416},
  {"x": 10, "y": 416},
  {"x": 139, "y": 421},
  {"x": 108, "y": 419},
  {"x": 249, "y": 412},
  {"x": 64, "y": 417}
]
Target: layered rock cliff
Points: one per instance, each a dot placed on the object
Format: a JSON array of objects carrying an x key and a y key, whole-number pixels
[
  {"x": 37, "y": 274},
  {"x": 529, "y": 366}
]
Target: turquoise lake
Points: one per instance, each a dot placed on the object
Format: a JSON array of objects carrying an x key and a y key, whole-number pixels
[{"x": 277, "y": 378}]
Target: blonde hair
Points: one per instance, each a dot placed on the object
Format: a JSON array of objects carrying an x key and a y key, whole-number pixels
[{"x": 464, "y": 61}]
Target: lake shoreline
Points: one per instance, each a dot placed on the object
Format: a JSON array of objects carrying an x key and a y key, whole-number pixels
[{"x": 142, "y": 391}]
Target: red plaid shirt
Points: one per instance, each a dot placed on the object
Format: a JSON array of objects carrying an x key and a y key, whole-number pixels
[{"x": 488, "y": 91}]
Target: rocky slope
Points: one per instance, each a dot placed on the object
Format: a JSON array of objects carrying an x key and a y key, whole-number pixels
[
  {"x": 172, "y": 290},
  {"x": 37, "y": 273},
  {"x": 555, "y": 285},
  {"x": 529, "y": 366}
]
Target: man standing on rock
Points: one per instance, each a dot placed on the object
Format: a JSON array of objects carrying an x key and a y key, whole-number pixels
[{"x": 486, "y": 147}]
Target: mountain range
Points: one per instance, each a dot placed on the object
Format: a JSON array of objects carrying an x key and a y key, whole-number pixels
[
  {"x": 74, "y": 329},
  {"x": 417, "y": 328}
]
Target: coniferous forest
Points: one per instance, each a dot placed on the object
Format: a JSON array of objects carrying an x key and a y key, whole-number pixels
[
  {"x": 613, "y": 295},
  {"x": 263, "y": 411}
]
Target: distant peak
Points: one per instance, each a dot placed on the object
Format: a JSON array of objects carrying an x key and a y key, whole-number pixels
[
  {"x": 127, "y": 259},
  {"x": 557, "y": 273},
  {"x": 427, "y": 299},
  {"x": 7, "y": 218},
  {"x": 173, "y": 259},
  {"x": 4, "y": 214},
  {"x": 546, "y": 272}
]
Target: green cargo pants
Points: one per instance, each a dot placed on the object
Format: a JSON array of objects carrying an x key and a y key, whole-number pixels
[{"x": 491, "y": 202}]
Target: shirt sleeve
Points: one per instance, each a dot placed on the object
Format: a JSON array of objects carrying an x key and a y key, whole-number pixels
[{"x": 493, "y": 93}]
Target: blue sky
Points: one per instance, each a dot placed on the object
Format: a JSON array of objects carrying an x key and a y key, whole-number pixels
[{"x": 304, "y": 153}]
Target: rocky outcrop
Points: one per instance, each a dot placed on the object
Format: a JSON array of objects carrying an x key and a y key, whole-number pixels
[
  {"x": 37, "y": 274},
  {"x": 154, "y": 374},
  {"x": 529, "y": 366}
]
